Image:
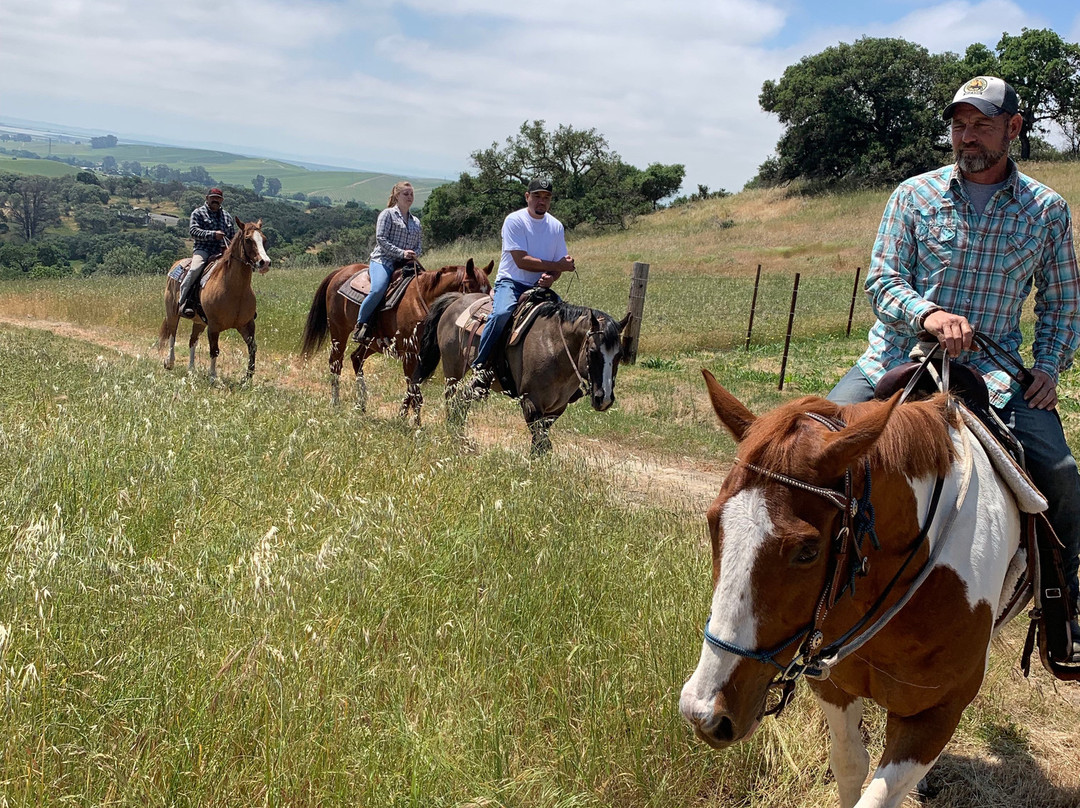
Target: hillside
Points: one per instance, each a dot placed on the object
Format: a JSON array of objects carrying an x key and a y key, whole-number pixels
[
  {"x": 371, "y": 188},
  {"x": 335, "y": 608}
]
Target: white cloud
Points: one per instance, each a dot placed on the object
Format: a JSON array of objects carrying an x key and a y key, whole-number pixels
[{"x": 422, "y": 83}]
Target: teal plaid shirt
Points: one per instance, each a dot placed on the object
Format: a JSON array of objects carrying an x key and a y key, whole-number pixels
[{"x": 935, "y": 251}]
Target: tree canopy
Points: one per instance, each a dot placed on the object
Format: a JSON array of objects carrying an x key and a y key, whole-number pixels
[
  {"x": 870, "y": 112},
  {"x": 592, "y": 184}
]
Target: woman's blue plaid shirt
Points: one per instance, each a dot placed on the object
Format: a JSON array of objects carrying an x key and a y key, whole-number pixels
[{"x": 935, "y": 251}]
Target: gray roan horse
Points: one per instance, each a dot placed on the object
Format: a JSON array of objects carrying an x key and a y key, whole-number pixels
[{"x": 569, "y": 351}]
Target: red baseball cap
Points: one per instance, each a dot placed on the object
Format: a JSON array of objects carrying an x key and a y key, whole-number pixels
[{"x": 215, "y": 192}]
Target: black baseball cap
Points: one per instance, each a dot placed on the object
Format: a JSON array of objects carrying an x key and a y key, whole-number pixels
[
  {"x": 988, "y": 94},
  {"x": 540, "y": 184}
]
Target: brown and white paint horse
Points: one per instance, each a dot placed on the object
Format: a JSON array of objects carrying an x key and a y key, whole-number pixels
[
  {"x": 775, "y": 525},
  {"x": 227, "y": 299}
]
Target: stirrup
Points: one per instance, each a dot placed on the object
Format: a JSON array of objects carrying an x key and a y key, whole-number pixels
[{"x": 360, "y": 332}]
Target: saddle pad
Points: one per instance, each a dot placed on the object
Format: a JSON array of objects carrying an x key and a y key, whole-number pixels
[
  {"x": 477, "y": 314},
  {"x": 181, "y": 267},
  {"x": 1028, "y": 497},
  {"x": 359, "y": 287}
]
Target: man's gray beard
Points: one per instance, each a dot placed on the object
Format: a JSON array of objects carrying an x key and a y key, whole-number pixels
[{"x": 970, "y": 163}]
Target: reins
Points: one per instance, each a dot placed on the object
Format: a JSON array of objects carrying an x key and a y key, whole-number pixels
[
  {"x": 583, "y": 383},
  {"x": 812, "y": 659}
]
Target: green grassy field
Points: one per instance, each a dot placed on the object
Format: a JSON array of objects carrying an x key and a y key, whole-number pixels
[
  {"x": 236, "y": 594},
  {"x": 371, "y": 188},
  {"x": 45, "y": 168}
]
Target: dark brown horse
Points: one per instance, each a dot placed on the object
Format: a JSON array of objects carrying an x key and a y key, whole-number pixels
[
  {"x": 570, "y": 351},
  {"x": 391, "y": 331},
  {"x": 227, "y": 299}
]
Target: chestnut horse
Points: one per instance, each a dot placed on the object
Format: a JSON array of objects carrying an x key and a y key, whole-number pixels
[
  {"x": 227, "y": 299},
  {"x": 568, "y": 352},
  {"x": 810, "y": 562},
  {"x": 392, "y": 331}
]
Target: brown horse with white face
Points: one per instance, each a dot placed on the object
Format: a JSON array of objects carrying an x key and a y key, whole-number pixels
[
  {"x": 391, "y": 331},
  {"x": 227, "y": 299},
  {"x": 878, "y": 529}
]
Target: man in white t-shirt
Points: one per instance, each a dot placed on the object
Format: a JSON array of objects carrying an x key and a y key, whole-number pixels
[{"x": 533, "y": 254}]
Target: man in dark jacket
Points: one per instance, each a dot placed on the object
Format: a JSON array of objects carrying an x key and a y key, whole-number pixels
[{"x": 212, "y": 228}]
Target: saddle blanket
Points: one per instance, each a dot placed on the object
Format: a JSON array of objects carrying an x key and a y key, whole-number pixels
[
  {"x": 359, "y": 287},
  {"x": 1028, "y": 498},
  {"x": 181, "y": 267}
]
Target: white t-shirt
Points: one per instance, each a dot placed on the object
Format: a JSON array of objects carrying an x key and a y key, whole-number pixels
[{"x": 540, "y": 238}]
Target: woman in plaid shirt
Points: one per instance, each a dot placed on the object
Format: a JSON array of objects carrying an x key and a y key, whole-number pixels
[
  {"x": 397, "y": 240},
  {"x": 960, "y": 248}
]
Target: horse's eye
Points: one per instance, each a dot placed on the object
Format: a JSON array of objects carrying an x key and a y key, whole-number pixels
[{"x": 808, "y": 554}]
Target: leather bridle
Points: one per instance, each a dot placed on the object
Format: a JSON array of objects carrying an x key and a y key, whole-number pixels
[{"x": 846, "y": 557}]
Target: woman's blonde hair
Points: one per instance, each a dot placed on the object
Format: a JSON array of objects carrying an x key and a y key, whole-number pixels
[{"x": 395, "y": 191}]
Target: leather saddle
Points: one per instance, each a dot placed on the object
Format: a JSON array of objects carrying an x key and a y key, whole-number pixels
[
  {"x": 359, "y": 286},
  {"x": 1044, "y": 580}
]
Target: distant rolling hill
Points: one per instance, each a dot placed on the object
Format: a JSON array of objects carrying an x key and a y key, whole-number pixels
[{"x": 368, "y": 187}]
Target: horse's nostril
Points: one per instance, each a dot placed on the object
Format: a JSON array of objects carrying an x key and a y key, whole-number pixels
[{"x": 724, "y": 730}]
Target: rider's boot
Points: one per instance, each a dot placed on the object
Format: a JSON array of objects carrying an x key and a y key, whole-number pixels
[
  {"x": 360, "y": 332},
  {"x": 183, "y": 300},
  {"x": 480, "y": 386}
]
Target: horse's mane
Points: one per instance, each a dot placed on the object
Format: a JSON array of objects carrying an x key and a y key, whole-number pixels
[
  {"x": 571, "y": 312},
  {"x": 915, "y": 441}
]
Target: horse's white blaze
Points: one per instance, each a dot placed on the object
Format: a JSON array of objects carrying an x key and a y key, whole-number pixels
[
  {"x": 892, "y": 783},
  {"x": 979, "y": 548},
  {"x": 264, "y": 259},
  {"x": 746, "y": 525},
  {"x": 607, "y": 381}
]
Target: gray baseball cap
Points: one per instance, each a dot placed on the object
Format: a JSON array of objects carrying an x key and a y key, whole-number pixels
[
  {"x": 540, "y": 184},
  {"x": 988, "y": 94}
]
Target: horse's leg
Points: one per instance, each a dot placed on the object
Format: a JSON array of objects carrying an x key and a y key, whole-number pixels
[
  {"x": 212, "y": 338},
  {"x": 848, "y": 758},
  {"x": 912, "y": 746},
  {"x": 196, "y": 329},
  {"x": 414, "y": 399},
  {"x": 247, "y": 331},
  {"x": 359, "y": 387},
  {"x": 337, "y": 358},
  {"x": 539, "y": 425}
]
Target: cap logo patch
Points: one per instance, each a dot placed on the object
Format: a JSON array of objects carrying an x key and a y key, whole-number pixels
[{"x": 976, "y": 86}]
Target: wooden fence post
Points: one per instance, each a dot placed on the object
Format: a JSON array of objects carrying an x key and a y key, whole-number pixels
[
  {"x": 854, "y": 294},
  {"x": 636, "y": 308},
  {"x": 790, "y": 323},
  {"x": 753, "y": 308}
]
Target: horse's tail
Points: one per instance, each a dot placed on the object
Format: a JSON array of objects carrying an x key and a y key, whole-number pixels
[
  {"x": 165, "y": 333},
  {"x": 317, "y": 323},
  {"x": 430, "y": 353}
]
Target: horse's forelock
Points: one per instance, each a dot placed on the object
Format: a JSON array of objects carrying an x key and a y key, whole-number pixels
[{"x": 915, "y": 441}]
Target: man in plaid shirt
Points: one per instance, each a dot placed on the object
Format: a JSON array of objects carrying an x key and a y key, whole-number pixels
[
  {"x": 960, "y": 248},
  {"x": 212, "y": 228}
]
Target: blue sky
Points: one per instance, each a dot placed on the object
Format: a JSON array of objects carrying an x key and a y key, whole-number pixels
[{"x": 414, "y": 86}]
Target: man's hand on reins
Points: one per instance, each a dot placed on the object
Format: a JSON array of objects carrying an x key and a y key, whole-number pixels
[{"x": 951, "y": 330}]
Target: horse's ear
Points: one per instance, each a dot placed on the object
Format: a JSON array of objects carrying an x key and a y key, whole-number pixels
[
  {"x": 729, "y": 410},
  {"x": 258, "y": 224},
  {"x": 490, "y": 266},
  {"x": 852, "y": 442},
  {"x": 625, "y": 321},
  {"x": 469, "y": 267},
  {"x": 239, "y": 224}
]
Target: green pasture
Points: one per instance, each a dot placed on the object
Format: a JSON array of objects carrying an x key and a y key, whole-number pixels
[
  {"x": 44, "y": 168},
  {"x": 371, "y": 188},
  {"x": 236, "y": 594}
]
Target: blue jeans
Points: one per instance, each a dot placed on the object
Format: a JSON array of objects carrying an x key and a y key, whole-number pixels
[
  {"x": 507, "y": 292},
  {"x": 380, "y": 279},
  {"x": 1050, "y": 463}
]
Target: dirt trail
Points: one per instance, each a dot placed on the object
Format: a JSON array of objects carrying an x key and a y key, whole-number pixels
[{"x": 639, "y": 478}]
